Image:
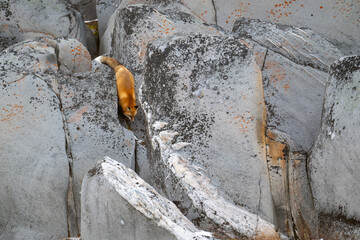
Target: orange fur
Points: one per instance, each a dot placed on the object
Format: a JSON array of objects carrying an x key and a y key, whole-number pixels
[{"x": 125, "y": 86}]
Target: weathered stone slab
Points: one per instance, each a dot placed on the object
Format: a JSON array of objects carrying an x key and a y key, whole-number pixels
[
  {"x": 301, "y": 46},
  {"x": 34, "y": 165},
  {"x": 301, "y": 199},
  {"x": 323, "y": 18},
  {"x": 137, "y": 25},
  {"x": 277, "y": 152},
  {"x": 73, "y": 57},
  {"x": 201, "y": 201},
  {"x": 91, "y": 109},
  {"x": 51, "y": 18},
  {"x": 116, "y": 202},
  {"x": 293, "y": 63},
  {"x": 209, "y": 91},
  {"x": 334, "y": 160},
  {"x": 294, "y": 96},
  {"x": 104, "y": 9}
]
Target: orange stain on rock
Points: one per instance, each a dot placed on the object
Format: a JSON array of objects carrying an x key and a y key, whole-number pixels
[{"x": 76, "y": 117}]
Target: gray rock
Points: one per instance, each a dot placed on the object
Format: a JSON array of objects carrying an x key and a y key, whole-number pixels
[
  {"x": 116, "y": 202},
  {"x": 277, "y": 152},
  {"x": 73, "y": 57},
  {"x": 225, "y": 126},
  {"x": 301, "y": 46},
  {"x": 87, "y": 8},
  {"x": 294, "y": 96},
  {"x": 104, "y": 9},
  {"x": 54, "y": 18},
  {"x": 334, "y": 159},
  {"x": 336, "y": 21},
  {"x": 34, "y": 165},
  {"x": 304, "y": 216},
  {"x": 91, "y": 110},
  {"x": 72, "y": 118},
  {"x": 293, "y": 63},
  {"x": 137, "y": 25},
  {"x": 201, "y": 201}
]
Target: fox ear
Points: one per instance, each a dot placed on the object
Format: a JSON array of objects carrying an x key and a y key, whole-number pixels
[{"x": 136, "y": 107}]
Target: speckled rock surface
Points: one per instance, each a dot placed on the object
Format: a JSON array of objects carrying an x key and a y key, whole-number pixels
[
  {"x": 301, "y": 46},
  {"x": 334, "y": 160},
  {"x": 137, "y": 25},
  {"x": 24, "y": 19},
  {"x": 294, "y": 65},
  {"x": 116, "y": 202},
  {"x": 104, "y": 9},
  {"x": 34, "y": 165},
  {"x": 201, "y": 201},
  {"x": 73, "y": 57},
  {"x": 336, "y": 21},
  {"x": 63, "y": 121},
  {"x": 211, "y": 97},
  {"x": 90, "y": 107}
]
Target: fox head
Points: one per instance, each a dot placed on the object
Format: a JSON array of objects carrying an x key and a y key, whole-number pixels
[{"x": 130, "y": 112}]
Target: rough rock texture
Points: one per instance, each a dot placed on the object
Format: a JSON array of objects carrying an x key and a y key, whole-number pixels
[
  {"x": 104, "y": 9},
  {"x": 202, "y": 202},
  {"x": 87, "y": 8},
  {"x": 73, "y": 57},
  {"x": 301, "y": 46},
  {"x": 336, "y": 21},
  {"x": 334, "y": 159},
  {"x": 277, "y": 152},
  {"x": 211, "y": 97},
  {"x": 90, "y": 107},
  {"x": 28, "y": 19},
  {"x": 293, "y": 63},
  {"x": 137, "y": 25},
  {"x": 301, "y": 200},
  {"x": 34, "y": 164},
  {"x": 63, "y": 121},
  {"x": 116, "y": 202}
]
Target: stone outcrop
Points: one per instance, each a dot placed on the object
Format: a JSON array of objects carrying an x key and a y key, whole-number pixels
[
  {"x": 294, "y": 63},
  {"x": 90, "y": 104},
  {"x": 116, "y": 202},
  {"x": 54, "y": 113},
  {"x": 34, "y": 164},
  {"x": 211, "y": 97},
  {"x": 225, "y": 131},
  {"x": 137, "y": 25},
  {"x": 23, "y": 20},
  {"x": 336, "y": 21},
  {"x": 334, "y": 157}
]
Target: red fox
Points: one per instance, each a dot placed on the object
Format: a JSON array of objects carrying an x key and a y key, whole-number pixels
[{"x": 125, "y": 86}]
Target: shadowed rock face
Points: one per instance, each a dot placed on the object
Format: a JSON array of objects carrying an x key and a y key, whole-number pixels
[
  {"x": 334, "y": 157},
  {"x": 211, "y": 95}
]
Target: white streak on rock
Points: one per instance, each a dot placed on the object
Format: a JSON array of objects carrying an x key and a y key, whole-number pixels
[
  {"x": 180, "y": 145},
  {"x": 159, "y": 125}
]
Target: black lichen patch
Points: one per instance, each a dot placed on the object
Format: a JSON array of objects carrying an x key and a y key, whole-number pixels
[
  {"x": 343, "y": 69},
  {"x": 133, "y": 14},
  {"x": 167, "y": 94}
]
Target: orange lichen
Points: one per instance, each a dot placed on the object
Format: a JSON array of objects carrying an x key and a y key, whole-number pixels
[
  {"x": 241, "y": 11},
  {"x": 277, "y": 74},
  {"x": 76, "y": 116}
]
